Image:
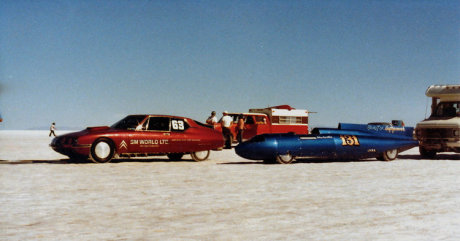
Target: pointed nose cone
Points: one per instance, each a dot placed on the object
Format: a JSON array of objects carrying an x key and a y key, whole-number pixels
[
  {"x": 243, "y": 150},
  {"x": 258, "y": 148}
]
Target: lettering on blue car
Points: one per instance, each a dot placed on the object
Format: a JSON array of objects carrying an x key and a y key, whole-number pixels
[
  {"x": 393, "y": 129},
  {"x": 349, "y": 140}
]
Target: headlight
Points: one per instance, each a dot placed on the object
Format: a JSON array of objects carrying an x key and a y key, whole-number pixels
[{"x": 457, "y": 132}]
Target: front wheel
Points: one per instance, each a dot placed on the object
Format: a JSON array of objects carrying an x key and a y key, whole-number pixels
[
  {"x": 284, "y": 159},
  {"x": 199, "y": 156},
  {"x": 102, "y": 151},
  {"x": 389, "y": 155}
]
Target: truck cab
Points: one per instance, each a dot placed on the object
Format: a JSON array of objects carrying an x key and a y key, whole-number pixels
[{"x": 441, "y": 131}]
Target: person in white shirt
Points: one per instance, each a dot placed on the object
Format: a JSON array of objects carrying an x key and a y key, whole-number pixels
[
  {"x": 212, "y": 119},
  {"x": 227, "y": 122},
  {"x": 52, "y": 129}
]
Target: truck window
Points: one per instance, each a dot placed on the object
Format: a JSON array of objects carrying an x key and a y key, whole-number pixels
[
  {"x": 249, "y": 120},
  {"x": 447, "y": 109},
  {"x": 261, "y": 120},
  {"x": 290, "y": 120}
]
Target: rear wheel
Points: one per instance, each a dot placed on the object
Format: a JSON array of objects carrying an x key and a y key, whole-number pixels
[
  {"x": 389, "y": 155},
  {"x": 102, "y": 151},
  {"x": 284, "y": 159},
  {"x": 200, "y": 155}
]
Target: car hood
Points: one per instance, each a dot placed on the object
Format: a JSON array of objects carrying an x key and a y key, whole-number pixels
[
  {"x": 97, "y": 128},
  {"x": 88, "y": 130}
]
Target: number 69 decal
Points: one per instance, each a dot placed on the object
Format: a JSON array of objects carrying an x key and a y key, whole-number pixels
[
  {"x": 348, "y": 140},
  {"x": 177, "y": 125}
]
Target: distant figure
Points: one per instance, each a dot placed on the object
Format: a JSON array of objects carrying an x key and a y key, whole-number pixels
[
  {"x": 227, "y": 122},
  {"x": 212, "y": 119},
  {"x": 52, "y": 129},
  {"x": 240, "y": 128}
]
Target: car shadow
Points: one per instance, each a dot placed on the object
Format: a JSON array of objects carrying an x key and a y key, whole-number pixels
[
  {"x": 18, "y": 162},
  {"x": 300, "y": 161},
  {"x": 73, "y": 161},
  {"x": 146, "y": 160},
  {"x": 439, "y": 156}
]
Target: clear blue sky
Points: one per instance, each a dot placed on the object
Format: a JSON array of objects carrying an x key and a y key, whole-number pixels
[{"x": 88, "y": 63}]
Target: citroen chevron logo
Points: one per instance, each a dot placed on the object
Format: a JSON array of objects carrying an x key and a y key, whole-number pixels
[{"x": 123, "y": 144}]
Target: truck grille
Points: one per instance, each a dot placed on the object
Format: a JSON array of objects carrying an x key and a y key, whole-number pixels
[{"x": 439, "y": 133}]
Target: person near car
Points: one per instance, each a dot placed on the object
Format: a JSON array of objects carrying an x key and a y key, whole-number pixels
[
  {"x": 227, "y": 122},
  {"x": 52, "y": 129},
  {"x": 212, "y": 119},
  {"x": 240, "y": 128}
]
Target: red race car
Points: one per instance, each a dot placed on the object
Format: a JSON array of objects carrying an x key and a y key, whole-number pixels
[{"x": 141, "y": 136}]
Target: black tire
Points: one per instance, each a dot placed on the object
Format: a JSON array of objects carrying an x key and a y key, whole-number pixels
[
  {"x": 284, "y": 159},
  {"x": 175, "y": 156},
  {"x": 102, "y": 151},
  {"x": 426, "y": 153},
  {"x": 389, "y": 155},
  {"x": 200, "y": 155}
]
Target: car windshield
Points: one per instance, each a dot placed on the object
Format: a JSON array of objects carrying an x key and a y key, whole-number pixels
[
  {"x": 447, "y": 109},
  {"x": 129, "y": 123}
]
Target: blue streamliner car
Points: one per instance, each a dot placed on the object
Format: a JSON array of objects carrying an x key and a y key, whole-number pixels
[{"x": 349, "y": 141}]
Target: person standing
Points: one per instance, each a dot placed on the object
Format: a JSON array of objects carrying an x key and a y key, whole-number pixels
[
  {"x": 240, "y": 128},
  {"x": 212, "y": 119},
  {"x": 227, "y": 122},
  {"x": 52, "y": 129}
]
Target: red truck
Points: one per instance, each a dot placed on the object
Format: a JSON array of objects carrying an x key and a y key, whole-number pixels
[{"x": 275, "y": 119}]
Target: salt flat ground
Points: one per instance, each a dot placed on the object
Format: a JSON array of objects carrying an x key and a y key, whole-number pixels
[{"x": 44, "y": 197}]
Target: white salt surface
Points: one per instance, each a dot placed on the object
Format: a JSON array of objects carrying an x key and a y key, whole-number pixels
[{"x": 43, "y": 197}]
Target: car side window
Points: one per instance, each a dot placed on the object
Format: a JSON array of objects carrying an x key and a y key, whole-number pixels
[{"x": 158, "y": 124}]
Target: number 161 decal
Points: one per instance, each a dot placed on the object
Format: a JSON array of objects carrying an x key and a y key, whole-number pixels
[{"x": 348, "y": 140}]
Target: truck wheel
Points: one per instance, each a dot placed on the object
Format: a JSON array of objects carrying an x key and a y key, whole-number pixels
[
  {"x": 200, "y": 155},
  {"x": 284, "y": 159},
  {"x": 175, "y": 156},
  {"x": 389, "y": 155},
  {"x": 426, "y": 153},
  {"x": 102, "y": 151}
]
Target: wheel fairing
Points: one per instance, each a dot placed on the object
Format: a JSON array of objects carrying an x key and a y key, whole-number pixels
[
  {"x": 200, "y": 155},
  {"x": 102, "y": 150}
]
